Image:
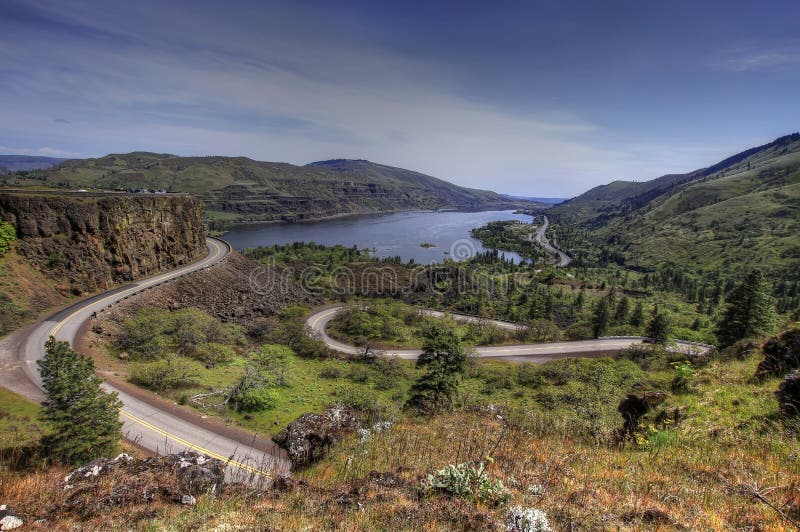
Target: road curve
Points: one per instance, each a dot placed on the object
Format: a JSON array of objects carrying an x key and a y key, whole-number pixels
[
  {"x": 536, "y": 353},
  {"x": 148, "y": 426},
  {"x": 541, "y": 239}
]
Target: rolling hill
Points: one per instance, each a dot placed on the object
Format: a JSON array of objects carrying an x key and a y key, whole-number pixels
[
  {"x": 740, "y": 213},
  {"x": 16, "y": 163},
  {"x": 237, "y": 188}
]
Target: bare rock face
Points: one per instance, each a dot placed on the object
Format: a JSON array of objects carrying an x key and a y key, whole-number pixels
[
  {"x": 91, "y": 242},
  {"x": 788, "y": 395},
  {"x": 308, "y": 437},
  {"x": 781, "y": 354}
]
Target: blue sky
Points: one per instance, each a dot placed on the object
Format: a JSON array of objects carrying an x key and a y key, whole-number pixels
[{"x": 541, "y": 98}]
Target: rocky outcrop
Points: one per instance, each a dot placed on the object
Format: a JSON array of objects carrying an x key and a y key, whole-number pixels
[
  {"x": 781, "y": 354},
  {"x": 104, "y": 484},
  {"x": 237, "y": 290},
  {"x": 788, "y": 395},
  {"x": 308, "y": 437},
  {"x": 91, "y": 242}
]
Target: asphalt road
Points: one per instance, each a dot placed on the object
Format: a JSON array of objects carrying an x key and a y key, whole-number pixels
[
  {"x": 541, "y": 239},
  {"x": 536, "y": 353},
  {"x": 145, "y": 424}
]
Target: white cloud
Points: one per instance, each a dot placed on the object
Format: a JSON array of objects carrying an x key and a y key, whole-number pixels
[
  {"x": 44, "y": 151},
  {"x": 743, "y": 59}
]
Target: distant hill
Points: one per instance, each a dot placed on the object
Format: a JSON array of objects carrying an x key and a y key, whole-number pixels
[
  {"x": 239, "y": 189},
  {"x": 16, "y": 163},
  {"x": 546, "y": 201},
  {"x": 740, "y": 213}
]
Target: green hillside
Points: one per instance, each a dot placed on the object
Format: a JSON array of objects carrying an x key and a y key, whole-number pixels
[
  {"x": 237, "y": 188},
  {"x": 741, "y": 213}
]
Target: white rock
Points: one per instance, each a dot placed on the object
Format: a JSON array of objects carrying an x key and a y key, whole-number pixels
[
  {"x": 10, "y": 522},
  {"x": 188, "y": 499}
]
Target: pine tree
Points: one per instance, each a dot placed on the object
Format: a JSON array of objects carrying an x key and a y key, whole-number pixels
[
  {"x": 621, "y": 314},
  {"x": 601, "y": 319},
  {"x": 637, "y": 318},
  {"x": 659, "y": 328},
  {"x": 750, "y": 312},
  {"x": 446, "y": 361},
  {"x": 84, "y": 419}
]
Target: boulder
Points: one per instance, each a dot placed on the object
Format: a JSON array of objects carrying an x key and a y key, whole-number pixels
[
  {"x": 781, "y": 354},
  {"x": 8, "y": 519},
  {"x": 635, "y": 406},
  {"x": 308, "y": 437},
  {"x": 788, "y": 394}
]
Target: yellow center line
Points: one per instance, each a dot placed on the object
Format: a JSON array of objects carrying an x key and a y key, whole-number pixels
[
  {"x": 190, "y": 445},
  {"x": 141, "y": 421}
]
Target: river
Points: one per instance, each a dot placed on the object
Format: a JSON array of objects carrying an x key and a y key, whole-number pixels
[{"x": 389, "y": 235}]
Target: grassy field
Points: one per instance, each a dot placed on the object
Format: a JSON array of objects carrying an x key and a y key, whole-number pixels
[
  {"x": 19, "y": 425},
  {"x": 727, "y": 461}
]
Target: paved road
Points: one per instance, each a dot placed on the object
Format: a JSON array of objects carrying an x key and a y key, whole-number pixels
[
  {"x": 541, "y": 239},
  {"x": 149, "y": 426},
  {"x": 537, "y": 353}
]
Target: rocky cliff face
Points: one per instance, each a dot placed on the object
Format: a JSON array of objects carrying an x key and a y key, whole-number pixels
[{"x": 91, "y": 242}]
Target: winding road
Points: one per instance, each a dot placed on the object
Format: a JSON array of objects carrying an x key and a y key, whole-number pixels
[
  {"x": 152, "y": 426},
  {"x": 541, "y": 239},
  {"x": 317, "y": 323}
]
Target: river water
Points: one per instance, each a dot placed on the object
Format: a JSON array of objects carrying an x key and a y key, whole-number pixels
[{"x": 389, "y": 235}]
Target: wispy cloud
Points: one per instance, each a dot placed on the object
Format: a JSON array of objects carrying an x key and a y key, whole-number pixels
[
  {"x": 44, "y": 151},
  {"x": 743, "y": 60}
]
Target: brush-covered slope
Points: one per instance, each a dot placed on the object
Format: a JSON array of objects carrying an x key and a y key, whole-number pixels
[
  {"x": 740, "y": 213},
  {"x": 240, "y": 188}
]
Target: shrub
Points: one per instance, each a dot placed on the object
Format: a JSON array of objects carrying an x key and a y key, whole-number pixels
[
  {"x": 330, "y": 372},
  {"x": 143, "y": 336},
  {"x": 371, "y": 407},
  {"x": 529, "y": 375},
  {"x": 358, "y": 374},
  {"x": 273, "y": 362},
  {"x": 7, "y": 236},
  {"x": 527, "y": 520},
  {"x": 466, "y": 481},
  {"x": 167, "y": 374},
  {"x": 213, "y": 353},
  {"x": 255, "y": 399},
  {"x": 390, "y": 372}
]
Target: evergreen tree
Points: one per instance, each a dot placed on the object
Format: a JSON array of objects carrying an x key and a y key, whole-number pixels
[
  {"x": 637, "y": 318},
  {"x": 623, "y": 307},
  {"x": 601, "y": 319},
  {"x": 750, "y": 311},
  {"x": 84, "y": 418},
  {"x": 659, "y": 328},
  {"x": 446, "y": 361}
]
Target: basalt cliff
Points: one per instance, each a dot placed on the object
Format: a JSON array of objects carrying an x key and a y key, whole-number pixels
[{"x": 90, "y": 242}]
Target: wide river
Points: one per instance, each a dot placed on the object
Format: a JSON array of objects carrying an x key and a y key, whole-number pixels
[{"x": 389, "y": 235}]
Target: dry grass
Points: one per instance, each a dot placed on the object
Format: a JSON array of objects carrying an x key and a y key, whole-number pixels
[{"x": 730, "y": 464}]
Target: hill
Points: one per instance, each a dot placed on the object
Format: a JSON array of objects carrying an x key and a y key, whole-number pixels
[
  {"x": 16, "y": 163},
  {"x": 742, "y": 212},
  {"x": 238, "y": 188}
]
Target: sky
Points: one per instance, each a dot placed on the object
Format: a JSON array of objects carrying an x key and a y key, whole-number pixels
[{"x": 536, "y": 98}]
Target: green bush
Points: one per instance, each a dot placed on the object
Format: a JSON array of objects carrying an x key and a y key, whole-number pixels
[
  {"x": 213, "y": 353},
  {"x": 369, "y": 404},
  {"x": 256, "y": 399},
  {"x": 466, "y": 481},
  {"x": 7, "y": 236},
  {"x": 168, "y": 374}
]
